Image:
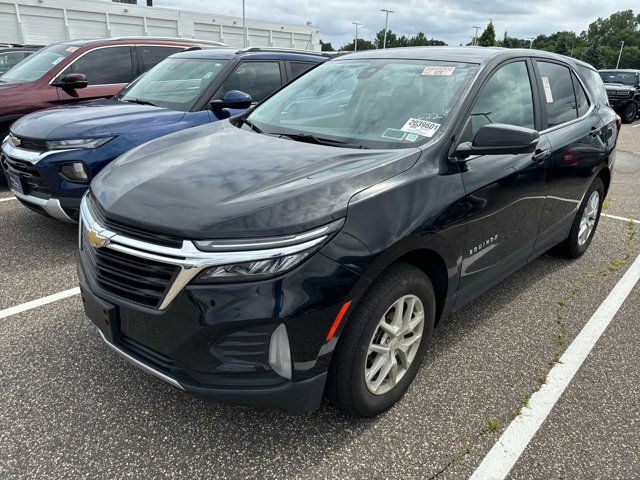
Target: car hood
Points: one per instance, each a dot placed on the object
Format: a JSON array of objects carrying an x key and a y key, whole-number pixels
[
  {"x": 618, "y": 87},
  {"x": 95, "y": 119},
  {"x": 8, "y": 87},
  {"x": 218, "y": 181}
]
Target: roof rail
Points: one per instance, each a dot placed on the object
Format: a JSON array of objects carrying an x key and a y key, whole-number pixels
[
  {"x": 284, "y": 50},
  {"x": 153, "y": 37}
]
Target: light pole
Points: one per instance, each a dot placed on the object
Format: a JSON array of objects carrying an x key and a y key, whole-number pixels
[
  {"x": 386, "y": 22},
  {"x": 355, "y": 43},
  {"x": 244, "y": 25},
  {"x": 475, "y": 37},
  {"x": 530, "y": 43},
  {"x": 620, "y": 54}
]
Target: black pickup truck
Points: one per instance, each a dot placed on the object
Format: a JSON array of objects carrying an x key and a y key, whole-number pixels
[{"x": 623, "y": 90}]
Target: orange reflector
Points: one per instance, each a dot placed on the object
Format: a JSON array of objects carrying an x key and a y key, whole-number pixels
[{"x": 338, "y": 320}]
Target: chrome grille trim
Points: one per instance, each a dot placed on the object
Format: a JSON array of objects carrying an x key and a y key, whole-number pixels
[{"x": 190, "y": 260}]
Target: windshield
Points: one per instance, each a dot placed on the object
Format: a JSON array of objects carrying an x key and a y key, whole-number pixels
[
  {"x": 174, "y": 83},
  {"x": 371, "y": 103},
  {"x": 35, "y": 66},
  {"x": 626, "y": 78}
]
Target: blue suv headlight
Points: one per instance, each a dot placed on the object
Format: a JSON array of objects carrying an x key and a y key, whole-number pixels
[{"x": 77, "y": 143}]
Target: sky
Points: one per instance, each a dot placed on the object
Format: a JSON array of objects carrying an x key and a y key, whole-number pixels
[{"x": 448, "y": 20}]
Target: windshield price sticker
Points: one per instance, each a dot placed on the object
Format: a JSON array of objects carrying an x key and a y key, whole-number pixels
[
  {"x": 437, "y": 71},
  {"x": 547, "y": 89},
  {"x": 420, "y": 127}
]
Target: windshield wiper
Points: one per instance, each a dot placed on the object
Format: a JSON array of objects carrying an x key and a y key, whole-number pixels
[
  {"x": 308, "y": 138},
  {"x": 139, "y": 101},
  {"x": 250, "y": 124}
]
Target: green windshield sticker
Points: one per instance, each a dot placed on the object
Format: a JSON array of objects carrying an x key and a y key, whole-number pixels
[
  {"x": 394, "y": 134},
  {"x": 411, "y": 137}
]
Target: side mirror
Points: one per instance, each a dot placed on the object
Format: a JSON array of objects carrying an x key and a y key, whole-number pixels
[
  {"x": 232, "y": 99},
  {"x": 73, "y": 81},
  {"x": 499, "y": 139}
]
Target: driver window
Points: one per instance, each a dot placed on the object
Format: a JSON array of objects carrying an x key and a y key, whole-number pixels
[
  {"x": 506, "y": 98},
  {"x": 258, "y": 79}
]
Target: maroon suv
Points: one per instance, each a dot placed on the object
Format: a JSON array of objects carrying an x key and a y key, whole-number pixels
[{"x": 80, "y": 70}]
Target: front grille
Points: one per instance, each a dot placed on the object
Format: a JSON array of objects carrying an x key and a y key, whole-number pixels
[
  {"x": 31, "y": 144},
  {"x": 139, "y": 280},
  {"x": 132, "y": 232},
  {"x": 32, "y": 181},
  {"x": 618, "y": 94}
]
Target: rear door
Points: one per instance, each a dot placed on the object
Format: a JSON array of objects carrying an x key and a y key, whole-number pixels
[
  {"x": 505, "y": 194},
  {"x": 295, "y": 69},
  {"x": 150, "y": 55},
  {"x": 575, "y": 129},
  {"x": 108, "y": 70}
]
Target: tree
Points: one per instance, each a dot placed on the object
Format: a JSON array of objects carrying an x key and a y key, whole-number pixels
[
  {"x": 594, "y": 56},
  {"x": 561, "y": 46},
  {"x": 326, "y": 47},
  {"x": 362, "y": 45},
  {"x": 488, "y": 37}
]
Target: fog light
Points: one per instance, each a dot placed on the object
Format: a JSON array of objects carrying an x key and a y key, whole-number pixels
[
  {"x": 75, "y": 172},
  {"x": 280, "y": 353}
]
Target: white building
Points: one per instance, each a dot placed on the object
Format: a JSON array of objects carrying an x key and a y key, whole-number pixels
[{"x": 49, "y": 21}]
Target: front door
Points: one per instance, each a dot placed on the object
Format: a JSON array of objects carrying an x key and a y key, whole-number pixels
[
  {"x": 108, "y": 70},
  {"x": 505, "y": 194}
]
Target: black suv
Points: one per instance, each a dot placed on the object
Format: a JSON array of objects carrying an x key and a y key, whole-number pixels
[
  {"x": 311, "y": 245},
  {"x": 623, "y": 89}
]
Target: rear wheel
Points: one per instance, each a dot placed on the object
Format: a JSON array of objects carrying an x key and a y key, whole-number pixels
[
  {"x": 380, "y": 351},
  {"x": 585, "y": 222},
  {"x": 630, "y": 112}
]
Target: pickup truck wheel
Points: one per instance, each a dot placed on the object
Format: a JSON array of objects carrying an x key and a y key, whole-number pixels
[
  {"x": 630, "y": 112},
  {"x": 381, "y": 349},
  {"x": 585, "y": 222}
]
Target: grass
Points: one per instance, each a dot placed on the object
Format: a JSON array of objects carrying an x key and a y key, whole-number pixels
[{"x": 493, "y": 424}]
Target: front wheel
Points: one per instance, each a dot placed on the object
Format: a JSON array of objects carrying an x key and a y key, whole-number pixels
[
  {"x": 585, "y": 222},
  {"x": 380, "y": 351},
  {"x": 630, "y": 112}
]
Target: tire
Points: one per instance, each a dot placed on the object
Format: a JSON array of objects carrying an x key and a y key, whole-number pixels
[
  {"x": 630, "y": 112},
  {"x": 575, "y": 245},
  {"x": 348, "y": 388}
]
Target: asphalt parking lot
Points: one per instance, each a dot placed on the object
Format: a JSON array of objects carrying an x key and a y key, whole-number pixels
[{"x": 70, "y": 408}]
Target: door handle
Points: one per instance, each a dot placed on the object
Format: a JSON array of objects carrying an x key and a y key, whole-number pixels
[{"x": 540, "y": 156}]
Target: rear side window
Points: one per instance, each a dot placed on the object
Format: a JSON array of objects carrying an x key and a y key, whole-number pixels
[
  {"x": 582, "y": 102},
  {"x": 150, "y": 56},
  {"x": 505, "y": 98},
  {"x": 298, "y": 68},
  {"x": 258, "y": 79},
  {"x": 558, "y": 94},
  {"x": 104, "y": 66},
  {"x": 595, "y": 84}
]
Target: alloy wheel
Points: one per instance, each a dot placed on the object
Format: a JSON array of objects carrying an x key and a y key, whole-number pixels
[
  {"x": 394, "y": 344},
  {"x": 589, "y": 217}
]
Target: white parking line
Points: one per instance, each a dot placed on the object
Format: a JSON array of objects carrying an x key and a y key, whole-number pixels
[
  {"x": 624, "y": 219},
  {"x": 23, "y": 307},
  {"x": 6, "y": 199},
  {"x": 505, "y": 453},
  {"x": 636, "y": 125}
]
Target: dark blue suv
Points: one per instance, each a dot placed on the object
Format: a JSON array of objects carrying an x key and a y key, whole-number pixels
[{"x": 51, "y": 156}]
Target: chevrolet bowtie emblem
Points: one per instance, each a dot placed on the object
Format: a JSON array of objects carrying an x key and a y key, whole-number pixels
[{"x": 96, "y": 240}]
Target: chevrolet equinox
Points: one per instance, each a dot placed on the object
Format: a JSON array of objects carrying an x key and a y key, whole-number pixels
[{"x": 309, "y": 246}]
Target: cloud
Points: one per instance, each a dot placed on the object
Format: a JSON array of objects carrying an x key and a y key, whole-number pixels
[{"x": 448, "y": 20}]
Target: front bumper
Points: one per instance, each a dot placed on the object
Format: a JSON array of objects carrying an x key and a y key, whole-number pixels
[
  {"x": 300, "y": 396},
  {"x": 47, "y": 206}
]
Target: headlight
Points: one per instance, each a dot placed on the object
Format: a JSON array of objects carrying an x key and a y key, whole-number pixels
[
  {"x": 75, "y": 171},
  {"x": 77, "y": 143},
  {"x": 269, "y": 257}
]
